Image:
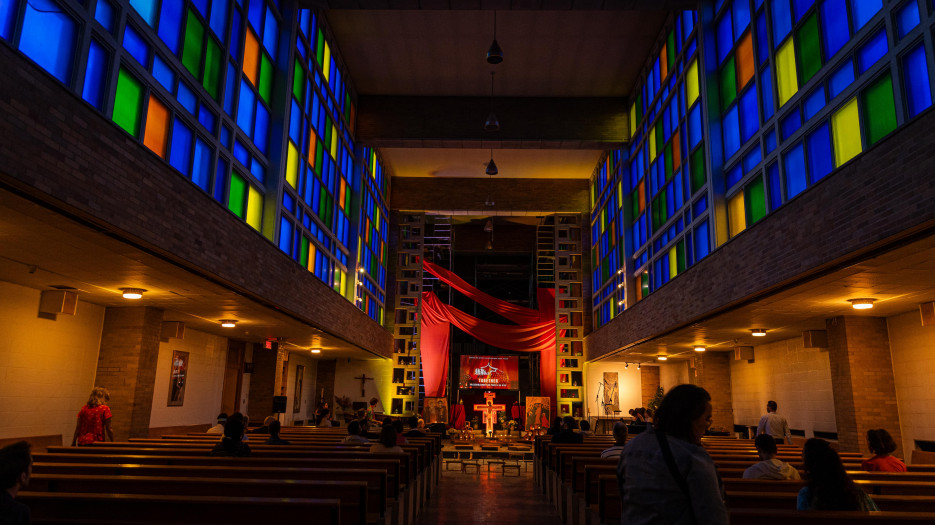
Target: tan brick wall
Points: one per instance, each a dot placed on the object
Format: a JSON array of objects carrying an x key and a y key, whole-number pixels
[
  {"x": 712, "y": 372},
  {"x": 263, "y": 381},
  {"x": 862, "y": 379},
  {"x": 126, "y": 366},
  {"x": 649, "y": 382}
]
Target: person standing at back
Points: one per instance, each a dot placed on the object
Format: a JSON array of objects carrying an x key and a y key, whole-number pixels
[
  {"x": 775, "y": 425},
  {"x": 94, "y": 419}
]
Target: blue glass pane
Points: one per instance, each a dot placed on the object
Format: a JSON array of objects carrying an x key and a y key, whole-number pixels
[
  {"x": 774, "y": 184},
  {"x": 700, "y": 206},
  {"x": 235, "y": 45},
  {"x": 146, "y": 9},
  {"x": 229, "y": 90},
  {"x": 841, "y": 78},
  {"x": 245, "y": 108},
  {"x": 48, "y": 37},
  {"x": 734, "y": 175},
  {"x": 93, "y": 90},
  {"x": 220, "y": 180},
  {"x": 271, "y": 33},
  {"x": 180, "y": 153},
  {"x": 136, "y": 46},
  {"x": 187, "y": 98},
  {"x": 285, "y": 235},
  {"x": 218, "y": 20},
  {"x": 770, "y": 142},
  {"x": 202, "y": 6},
  {"x": 104, "y": 14},
  {"x": 749, "y": 118},
  {"x": 240, "y": 153},
  {"x": 800, "y": 7},
  {"x": 918, "y": 88},
  {"x": 207, "y": 118},
  {"x": 701, "y": 240},
  {"x": 255, "y": 15},
  {"x": 725, "y": 39},
  {"x": 762, "y": 45},
  {"x": 819, "y": 153},
  {"x": 163, "y": 74},
  {"x": 741, "y": 17},
  {"x": 7, "y": 18},
  {"x": 790, "y": 124},
  {"x": 814, "y": 102},
  {"x": 794, "y": 166},
  {"x": 863, "y": 11},
  {"x": 872, "y": 51},
  {"x": 295, "y": 122},
  {"x": 752, "y": 159},
  {"x": 225, "y": 136},
  {"x": 731, "y": 129},
  {"x": 261, "y": 133},
  {"x": 907, "y": 18},
  {"x": 201, "y": 168},
  {"x": 256, "y": 169},
  {"x": 170, "y": 23},
  {"x": 834, "y": 27},
  {"x": 782, "y": 20},
  {"x": 766, "y": 93}
]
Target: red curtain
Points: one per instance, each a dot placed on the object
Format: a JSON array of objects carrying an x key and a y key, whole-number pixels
[{"x": 534, "y": 333}]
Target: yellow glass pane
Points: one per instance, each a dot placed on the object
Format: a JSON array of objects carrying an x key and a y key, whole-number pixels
[
  {"x": 157, "y": 127},
  {"x": 334, "y": 143},
  {"x": 633, "y": 122},
  {"x": 786, "y": 77},
  {"x": 691, "y": 82},
  {"x": 845, "y": 128},
  {"x": 620, "y": 193},
  {"x": 251, "y": 57},
  {"x": 673, "y": 262},
  {"x": 652, "y": 146},
  {"x": 255, "y": 208},
  {"x": 376, "y": 219},
  {"x": 292, "y": 165},
  {"x": 737, "y": 216},
  {"x": 326, "y": 63}
]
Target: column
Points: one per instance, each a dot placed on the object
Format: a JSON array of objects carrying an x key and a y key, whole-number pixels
[{"x": 712, "y": 372}]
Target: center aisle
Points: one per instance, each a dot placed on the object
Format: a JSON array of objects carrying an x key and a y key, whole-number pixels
[{"x": 466, "y": 498}]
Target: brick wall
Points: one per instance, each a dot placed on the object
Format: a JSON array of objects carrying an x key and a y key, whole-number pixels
[
  {"x": 60, "y": 151},
  {"x": 649, "y": 382},
  {"x": 325, "y": 381},
  {"x": 712, "y": 372},
  {"x": 126, "y": 367},
  {"x": 862, "y": 379},
  {"x": 263, "y": 380}
]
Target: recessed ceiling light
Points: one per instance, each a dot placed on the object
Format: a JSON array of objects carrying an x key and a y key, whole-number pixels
[
  {"x": 700, "y": 348},
  {"x": 662, "y": 357},
  {"x": 758, "y": 332},
  {"x": 316, "y": 350},
  {"x": 862, "y": 304},
  {"x": 132, "y": 293},
  {"x": 228, "y": 323}
]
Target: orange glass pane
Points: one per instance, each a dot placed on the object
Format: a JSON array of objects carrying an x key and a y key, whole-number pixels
[
  {"x": 745, "y": 62},
  {"x": 251, "y": 57},
  {"x": 341, "y": 199},
  {"x": 676, "y": 151},
  {"x": 157, "y": 127},
  {"x": 312, "y": 141},
  {"x": 663, "y": 62},
  {"x": 641, "y": 191}
]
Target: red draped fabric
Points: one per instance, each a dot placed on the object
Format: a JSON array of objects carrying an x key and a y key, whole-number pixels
[
  {"x": 535, "y": 331},
  {"x": 457, "y": 417}
]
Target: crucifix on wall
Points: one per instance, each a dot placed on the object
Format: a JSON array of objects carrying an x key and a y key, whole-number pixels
[
  {"x": 490, "y": 412},
  {"x": 363, "y": 383}
]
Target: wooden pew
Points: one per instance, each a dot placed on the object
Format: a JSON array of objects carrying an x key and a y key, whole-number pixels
[
  {"x": 786, "y": 500},
  {"x": 103, "y": 509},
  {"x": 819, "y": 517}
]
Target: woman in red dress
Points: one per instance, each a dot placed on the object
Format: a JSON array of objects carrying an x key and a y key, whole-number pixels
[{"x": 94, "y": 419}]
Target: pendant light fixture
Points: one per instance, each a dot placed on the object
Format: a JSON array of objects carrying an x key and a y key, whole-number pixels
[
  {"x": 492, "y": 123},
  {"x": 491, "y": 166},
  {"x": 494, "y": 53}
]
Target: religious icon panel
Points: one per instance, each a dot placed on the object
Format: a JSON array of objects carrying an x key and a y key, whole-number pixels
[
  {"x": 537, "y": 412},
  {"x": 436, "y": 410}
]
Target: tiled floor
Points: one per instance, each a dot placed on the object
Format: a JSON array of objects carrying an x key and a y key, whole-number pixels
[{"x": 463, "y": 499}]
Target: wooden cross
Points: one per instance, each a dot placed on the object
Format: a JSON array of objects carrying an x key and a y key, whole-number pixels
[
  {"x": 363, "y": 382},
  {"x": 490, "y": 412}
]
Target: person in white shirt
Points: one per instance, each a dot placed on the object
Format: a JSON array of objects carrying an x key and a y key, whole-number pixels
[
  {"x": 219, "y": 428},
  {"x": 774, "y": 425},
  {"x": 769, "y": 467}
]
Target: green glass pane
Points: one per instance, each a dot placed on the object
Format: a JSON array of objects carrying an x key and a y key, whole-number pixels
[
  {"x": 879, "y": 109},
  {"x": 347, "y": 196},
  {"x": 320, "y": 48},
  {"x": 644, "y": 284},
  {"x": 670, "y": 48},
  {"x": 698, "y": 170},
  {"x": 298, "y": 82},
  {"x": 266, "y": 78},
  {"x": 192, "y": 48},
  {"x": 237, "y": 197},
  {"x": 347, "y": 108},
  {"x": 680, "y": 256},
  {"x": 809, "y": 48},
  {"x": 639, "y": 109},
  {"x": 128, "y": 103},
  {"x": 755, "y": 200},
  {"x": 605, "y": 270},
  {"x": 303, "y": 252},
  {"x": 669, "y": 161},
  {"x": 322, "y": 206},
  {"x": 634, "y": 205},
  {"x": 659, "y": 139},
  {"x": 319, "y": 157},
  {"x": 213, "y": 64},
  {"x": 663, "y": 205},
  {"x": 728, "y": 83}
]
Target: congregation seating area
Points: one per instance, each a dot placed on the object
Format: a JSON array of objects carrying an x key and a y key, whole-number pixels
[
  {"x": 583, "y": 487},
  {"x": 316, "y": 479}
]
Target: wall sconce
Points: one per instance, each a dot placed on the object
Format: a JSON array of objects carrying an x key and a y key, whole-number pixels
[
  {"x": 862, "y": 304},
  {"x": 132, "y": 293}
]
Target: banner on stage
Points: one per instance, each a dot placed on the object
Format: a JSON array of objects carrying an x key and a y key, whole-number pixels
[{"x": 489, "y": 372}]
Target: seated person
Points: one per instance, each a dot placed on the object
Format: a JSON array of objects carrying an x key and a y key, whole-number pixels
[
  {"x": 829, "y": 487},
  {"x": 232, "y": 443},
  {"x": 15, "y": 469},
  {"x": 620, "y": 439},
  {"x": 400, "y": 437},
  {"x": 219, "y": 428},
  {"x": 274, "y": 439},
  {"x": 353, "y": 433},
  {"x": 769, "y": 467},
  {"x": 387, "y": 443},
  {"x": 556, "y": 427},
  {"x": 265, "y": 428},
  {"x": 585, "y": 428},
  {"x": 568, "y": 434},
  {"x": 416, "y": 427},
  {"x": 882, "y": 445},
  {"x": 325, "y": 420}
]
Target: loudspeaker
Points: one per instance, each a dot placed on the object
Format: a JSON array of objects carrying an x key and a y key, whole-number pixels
[
  {"x": 173, "y": 329},
  {"x": 58, "y": 302},
  {"x": 279, "y": 404},
  {"x": 928, "y": 313},
  {"x": 815, "y": 339}
]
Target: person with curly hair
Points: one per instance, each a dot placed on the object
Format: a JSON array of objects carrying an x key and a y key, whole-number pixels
[
  {"x": 882, "y": 445},
  {"x": 94, "y": 419},
  {"x": 829, "y": 487}
]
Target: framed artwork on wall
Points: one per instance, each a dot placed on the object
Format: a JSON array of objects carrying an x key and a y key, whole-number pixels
[
  {"x": 297, "y": 394},
  {"x": 178, "y": 378}
]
